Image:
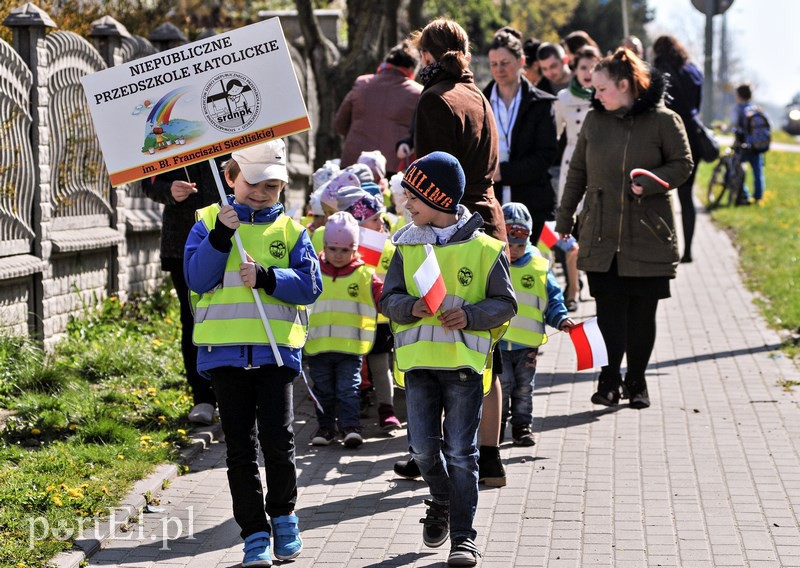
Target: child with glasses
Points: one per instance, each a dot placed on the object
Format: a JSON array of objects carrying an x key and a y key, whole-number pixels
[{"x": 539, "y": 301}]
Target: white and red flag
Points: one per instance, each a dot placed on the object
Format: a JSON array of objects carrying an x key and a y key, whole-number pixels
[
  {"x": 590, "y": 347},
  {"x": 647, "y": 173},
  {"x": 548, "y": 237},
  {"x": 370, "y": 245},
  {"x": 429, "y": 281}
]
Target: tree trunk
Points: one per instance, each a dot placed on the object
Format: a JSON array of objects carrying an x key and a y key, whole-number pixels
[{"x": 335, "y": 71}]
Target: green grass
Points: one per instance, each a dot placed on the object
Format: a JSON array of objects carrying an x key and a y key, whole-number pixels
[
  {"x": 88, "y": 421},
  {"x": 768, "y": 239}
]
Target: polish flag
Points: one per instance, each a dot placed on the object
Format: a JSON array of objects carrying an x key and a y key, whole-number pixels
[
  {"x": 370, "y": 245},
  {"x": 647, "y": 173},
  {"x": 548, "y": 237},
  {"x": 429, "y": 281},
  {"x": 590, "y": 347}
]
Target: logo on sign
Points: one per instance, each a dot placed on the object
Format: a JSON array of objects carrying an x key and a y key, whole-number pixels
[{"x": 231, "y": 102}]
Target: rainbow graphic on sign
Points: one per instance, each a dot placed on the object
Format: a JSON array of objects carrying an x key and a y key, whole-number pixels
[
  {"x": 162, "y": 110},
  {"x": 162, "y": 131}
]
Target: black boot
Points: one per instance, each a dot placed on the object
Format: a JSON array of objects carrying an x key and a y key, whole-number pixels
[
  {"x": 609, "y": 389},
  {"x": 490, "y": 468},
  {"x": 637, "y": 389}
]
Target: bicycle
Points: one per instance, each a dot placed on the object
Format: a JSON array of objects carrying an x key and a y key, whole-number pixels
[{"x": 726, "y": 186}]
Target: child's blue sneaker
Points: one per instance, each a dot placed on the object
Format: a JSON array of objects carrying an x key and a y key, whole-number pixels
[
  {"x": 287, "y": 537},
  {"x": 256, "y": 550}
]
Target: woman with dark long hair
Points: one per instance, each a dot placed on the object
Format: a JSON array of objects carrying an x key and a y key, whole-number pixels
[{"x": 684, "y": 96}]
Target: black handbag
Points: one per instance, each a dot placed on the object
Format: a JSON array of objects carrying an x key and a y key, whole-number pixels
[{"x": 707, "y": 145}]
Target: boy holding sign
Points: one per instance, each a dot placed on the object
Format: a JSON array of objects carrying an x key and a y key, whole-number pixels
[
  {"x": 254, "y": 392},
  {"x": 444, "y": 350}
]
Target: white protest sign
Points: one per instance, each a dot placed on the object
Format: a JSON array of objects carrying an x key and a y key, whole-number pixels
[{"x": 196, "y": 101}]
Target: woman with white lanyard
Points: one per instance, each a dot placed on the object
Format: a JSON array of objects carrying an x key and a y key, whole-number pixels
[{"x": 527, "y": 131}]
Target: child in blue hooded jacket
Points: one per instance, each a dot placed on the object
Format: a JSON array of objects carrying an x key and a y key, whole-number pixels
[{"x": 253, "y": 392}]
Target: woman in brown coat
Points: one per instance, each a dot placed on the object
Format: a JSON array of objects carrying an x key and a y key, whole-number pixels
[{"x": 628, "y": 246}]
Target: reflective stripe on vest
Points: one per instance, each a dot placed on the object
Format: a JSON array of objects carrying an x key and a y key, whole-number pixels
[
  {"x": 344, "y": 318},
  {"x": 465, "y": 268},
  {"x": 228, "y": 315},
  {"x": 383, "y": 268},
  {"x": 530, "y": 286}
]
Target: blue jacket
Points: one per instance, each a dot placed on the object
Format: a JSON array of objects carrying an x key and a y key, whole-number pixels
[
  {"x": 299, "y": 284},
  {"x": 556, "y": 311}
]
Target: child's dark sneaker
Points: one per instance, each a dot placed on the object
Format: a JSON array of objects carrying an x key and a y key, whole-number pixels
[
  {"x": 463, "y": 552},
  {"x": 352, "y": 437},
  {"x": 437, "y": 524},
  {"x": 523, "y": 436},
  {"x": 323, "y": 437},
  {"x": 407, "y": 469}
]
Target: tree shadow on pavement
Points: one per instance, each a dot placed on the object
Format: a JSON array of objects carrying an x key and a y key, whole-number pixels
[{"x": 561, "y": 421}]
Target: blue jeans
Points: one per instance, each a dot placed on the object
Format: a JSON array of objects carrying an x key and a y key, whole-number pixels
[
  {"x": 256, "y": 404},
  {"x": 449, "y": 464},
  {"x": 336, "y": 377},
  {"x": 517, "y": 381},
  {"x": 756, "y": 162}
]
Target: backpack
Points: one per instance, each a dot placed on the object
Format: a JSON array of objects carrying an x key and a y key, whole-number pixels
[{"x": 757, "y": 130}]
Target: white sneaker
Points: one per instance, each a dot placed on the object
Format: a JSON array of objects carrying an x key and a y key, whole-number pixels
[{"x": 202, "y": 413}]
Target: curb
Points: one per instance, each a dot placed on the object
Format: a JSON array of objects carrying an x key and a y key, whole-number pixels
[{"x": 134, "y": 502}]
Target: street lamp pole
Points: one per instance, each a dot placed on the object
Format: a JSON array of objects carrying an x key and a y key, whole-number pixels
[
  {"x": 708, "y": 67},
  {"x": 625, "y": 27}
]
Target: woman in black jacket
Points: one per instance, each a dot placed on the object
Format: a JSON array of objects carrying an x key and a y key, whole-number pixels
[
  {"x": 684, "y": 95},
  {"x": 527, "y": 131}
]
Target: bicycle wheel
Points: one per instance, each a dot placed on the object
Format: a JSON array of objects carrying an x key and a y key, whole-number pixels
[{"x": 718, "y": 184}]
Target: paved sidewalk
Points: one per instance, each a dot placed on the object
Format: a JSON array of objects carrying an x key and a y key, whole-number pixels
[{"x": 708, "y": 476}]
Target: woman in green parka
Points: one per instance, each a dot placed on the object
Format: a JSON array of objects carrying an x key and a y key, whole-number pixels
[{"x": 628, "y": 245}]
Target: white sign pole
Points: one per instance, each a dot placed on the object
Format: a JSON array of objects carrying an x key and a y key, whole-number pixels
[{"x": 243, "y": 255}]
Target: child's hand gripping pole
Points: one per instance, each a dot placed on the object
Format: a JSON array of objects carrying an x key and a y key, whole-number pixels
[{"x": 243, "y": 255}]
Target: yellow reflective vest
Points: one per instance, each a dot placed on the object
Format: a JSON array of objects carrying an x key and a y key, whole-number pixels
[
  {"x": 227, "y": 315},
  {"x": 317, "y": 239},
  {"x": 383, "y": 268},
  {"x": 425, "y": 344},
  {"x": 530, "y": 286},
  {"x": 344, "y": 317}
]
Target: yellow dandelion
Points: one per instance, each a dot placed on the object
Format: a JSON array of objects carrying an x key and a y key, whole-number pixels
[
  {"x": 56, "y": 500},
  {"x": 36, "y": 431},
  {"x": 152, "y": 390},
  {"x": 50, "y": 488},
  {"x": 120, "y": 456},
  {"x": 146, "y": 438},
  {"x": 181, "y": 432},
  {"x": 73, "y": 427},
  {"x": 104, "y": 489},
  {"x": 156, "y": 342},
  {"x": 164, "y": 444},
  {"x": 168, "y": 320}
]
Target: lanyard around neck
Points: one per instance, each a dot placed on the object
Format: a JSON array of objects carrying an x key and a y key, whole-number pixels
[{"x": 510, "y": 114}]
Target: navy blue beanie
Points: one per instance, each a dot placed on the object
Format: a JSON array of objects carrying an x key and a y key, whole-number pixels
[{"x": 437, "y": 179}]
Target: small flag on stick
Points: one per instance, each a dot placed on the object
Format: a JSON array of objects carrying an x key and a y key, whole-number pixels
[
  {"x": 428, "y": 279},
  {"x": 590, "y": 347},
  {"x": 370, "y": 245},
  {"x": 550, "y": 239}
]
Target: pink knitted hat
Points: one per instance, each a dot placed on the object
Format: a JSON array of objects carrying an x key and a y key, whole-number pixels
[{"x": 341, "y": 230}]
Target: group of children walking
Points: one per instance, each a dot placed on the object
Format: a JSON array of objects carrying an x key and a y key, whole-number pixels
[{"x": 330, "y": 307}]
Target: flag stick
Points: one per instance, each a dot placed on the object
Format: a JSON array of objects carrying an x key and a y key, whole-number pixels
[{"x": 243, "y": 255}]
